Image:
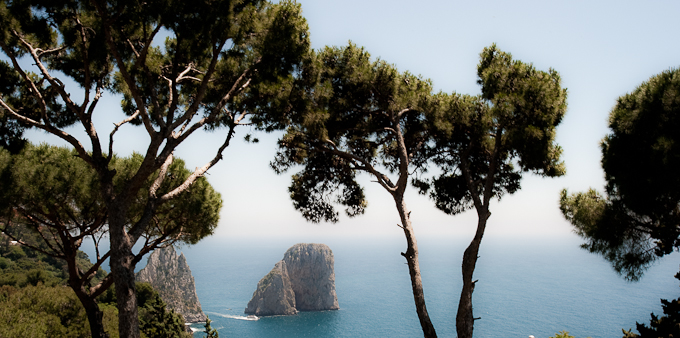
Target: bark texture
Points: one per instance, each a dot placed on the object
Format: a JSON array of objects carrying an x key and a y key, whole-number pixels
[
  {"x": 411, "y": 256},
  {"x": 122, "y": 268},
  {"x": 411, "y": 253},
  {"x": 94, "y": 316},
  {"x": 465, "y": 319}
]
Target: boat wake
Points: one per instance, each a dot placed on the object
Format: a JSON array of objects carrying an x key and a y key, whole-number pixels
[{"x": 249, "y": 317}]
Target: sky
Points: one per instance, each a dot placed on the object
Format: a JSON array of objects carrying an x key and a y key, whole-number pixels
[{"x": 602, "y": 50}]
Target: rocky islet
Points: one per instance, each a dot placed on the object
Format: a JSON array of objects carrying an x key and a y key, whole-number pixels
[{"x": 304, "y": 280}]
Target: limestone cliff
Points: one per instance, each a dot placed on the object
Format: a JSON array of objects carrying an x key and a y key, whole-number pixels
[
  {"x": 274, "y": 295},
  {"x": 170, "y": 275},
  {"x": 306, "y": 274},
  {"x": 310, "y": 268}
]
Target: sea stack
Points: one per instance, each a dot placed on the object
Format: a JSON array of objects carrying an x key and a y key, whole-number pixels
[
  {"x": 171, "y": 277},
  {"x": 274, "y": 295},
  {"x": 304, "y": 280}
]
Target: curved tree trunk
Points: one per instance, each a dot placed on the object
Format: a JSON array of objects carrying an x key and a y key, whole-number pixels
[
  {"x": 122, "y": 268},
  {"x": 464, "y": 319},
  {"x": 94, "y": 315},
  {"x": 411, "y": 256}
]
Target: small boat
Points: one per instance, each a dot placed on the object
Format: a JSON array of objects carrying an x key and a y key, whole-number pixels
[{"x": 252, "y": 317}]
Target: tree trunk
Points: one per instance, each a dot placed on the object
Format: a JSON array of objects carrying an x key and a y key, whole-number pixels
[
  {"x": 465, "y": 320},
  {"x": 123, "y": 275},
  {"x": 94, "y": 315},
  {"x": 411, "y": 256}
]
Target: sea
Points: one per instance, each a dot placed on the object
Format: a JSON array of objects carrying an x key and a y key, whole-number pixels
[{"x": 525, "y": 287}]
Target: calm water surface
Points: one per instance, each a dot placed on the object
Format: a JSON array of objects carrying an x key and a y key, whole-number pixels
[{"x": 525, "y": 287}]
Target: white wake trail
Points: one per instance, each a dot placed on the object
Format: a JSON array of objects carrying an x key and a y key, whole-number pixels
[{"x": 251, "y": 317}]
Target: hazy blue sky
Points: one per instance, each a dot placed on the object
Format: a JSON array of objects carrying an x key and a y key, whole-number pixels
[{"x": 602, "y": 49}]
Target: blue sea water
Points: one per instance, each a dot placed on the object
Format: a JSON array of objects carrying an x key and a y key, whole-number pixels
[{"x": 526, "y": 287}]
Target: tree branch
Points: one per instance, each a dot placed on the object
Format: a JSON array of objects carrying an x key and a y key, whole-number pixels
[
  {"x": 199, "y": 171},
  {"x": 402, "y": 112},
  {"x": 122, "y": 68},
  {"x": 55, "y": 83},
  {"x": 365, "y": 165},
  {"x": 32, "y": 88},
  {"x": 161, "y": 176},
  {"x": 55, "y": 252},
  {"x": 465, "y": 168},
  {"x": 104, "y": 284},
  {"x": 115, "y": 129},
  {"x": 202, "y": 89}
]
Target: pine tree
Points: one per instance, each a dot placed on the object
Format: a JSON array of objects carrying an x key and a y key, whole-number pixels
[{"x": 211, "y": 333}]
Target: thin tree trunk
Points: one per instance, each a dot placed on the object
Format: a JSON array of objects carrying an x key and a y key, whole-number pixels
[
  {"x": 465, "y": 320},
  {"x": 123, "y": 275},
  {"x": 411, "y": 253},
  {"x": 411, "y": 256}
]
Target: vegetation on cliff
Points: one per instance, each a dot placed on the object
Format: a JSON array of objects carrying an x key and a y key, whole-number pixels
[
  {"x": 49, "y": 202},
  {"x": 36, "y": 302}
]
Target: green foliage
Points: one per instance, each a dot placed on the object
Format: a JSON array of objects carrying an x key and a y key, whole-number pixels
[
  {"x": 51, "y": 200},
  {"x": 41, "y": 311},
  {"x": 246, "y": 34},
  {"x": 15, "y": 253},
  {"x": 482, "y": 145},
  {"x": 56, "y": 188},
  {"x": 4, "y": 263},
  {"x": 225, "y": 63},
  {"x": 495, "y": 137},
  {"x": 83, "y": 263},
  {"x": 209, "y": 331},
  {"x": 52, "y": 186},
  {"x": 638, "y": 220},
  {"x": 155, "y": 320},
  {"x": 563, "y": 334},
  {"x": 21, "y": 266},
  {"x": 346, "y": 112}
]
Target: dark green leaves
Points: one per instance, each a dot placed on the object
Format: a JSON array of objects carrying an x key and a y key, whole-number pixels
[
  {"x": 528, "y": 104},
  {"x": 610, "y": 231},
  {"x": 641, "y": 155},
  {"x": 326, "y": 180},
  {"x": 484, "y": 143},
  {"x": 52, "y": 186},
  {"x": 638, "y": 220},
  {"x": 344, "y": 118}
]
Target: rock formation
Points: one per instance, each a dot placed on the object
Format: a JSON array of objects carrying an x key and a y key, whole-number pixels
[
  {"x": 170, "y": 275},
  {"x": 310, "y": 268},
  {"x": 274, "y": 295},
  {"x": 303, "y": 281}
]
